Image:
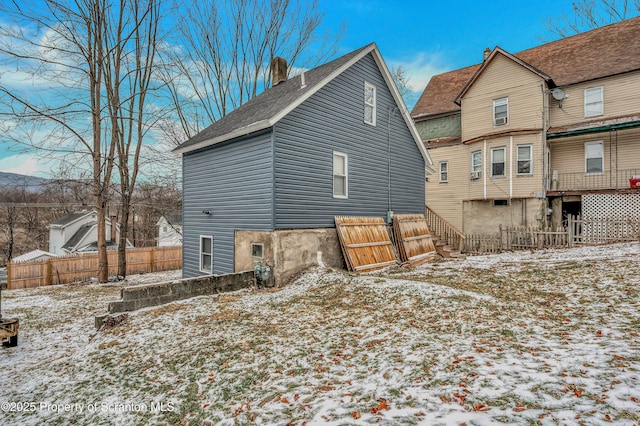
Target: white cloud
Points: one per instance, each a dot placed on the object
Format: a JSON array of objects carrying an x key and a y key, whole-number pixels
[
  {"x": 24, "y": 164},
  {"x": 420, "y": 68}
]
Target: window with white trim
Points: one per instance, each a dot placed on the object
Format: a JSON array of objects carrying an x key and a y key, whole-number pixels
[
  {"x": 594, "y": 157},
  {"x": 593, "y": 101},
  {"x": 500, "y": 111},
  {"x": 340, "y": 175},
  {"x": 498, "y": 162},
  {"x": 206, "y": 254},
  {"x": 525, "y": 159},
  {"x": 444, "y": 171},
  {"x": 369, "y": 103},
  {"x": 476, "y": 165}
]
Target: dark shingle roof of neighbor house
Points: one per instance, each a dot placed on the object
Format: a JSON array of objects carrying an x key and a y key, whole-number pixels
[
  {"x": 70, "y": 218},
  {"x": 174, "y": 218},
  {"x": 606, "y": 51},
  {"x": 269, "y": 103},
  {"x": 78, "y": 236}
]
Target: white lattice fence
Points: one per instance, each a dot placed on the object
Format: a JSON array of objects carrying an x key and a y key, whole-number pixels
[{"x": 610, "y": 217}]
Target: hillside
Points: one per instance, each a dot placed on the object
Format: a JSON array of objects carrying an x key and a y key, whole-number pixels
[{"x": 17, "y": 181}]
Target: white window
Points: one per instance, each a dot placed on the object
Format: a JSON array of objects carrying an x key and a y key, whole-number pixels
[
  {"x": 257, "y": 250},
  {"x": 501, "y": 111},
  {"x": 593, "y": 101},
  {"x": 476, "y": 165},
  {"x": 498, "y": 162},
  {"x": 444, "y": 171},
  {"x": 206, "y": 254},
  {"x": 340, "y": 175},
  {"x": 369, "y": 103},
  {"x": 594, "y": 157},
  {"x": 525, "y": 159}
]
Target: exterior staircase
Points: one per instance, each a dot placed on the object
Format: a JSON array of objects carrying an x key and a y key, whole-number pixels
[{"x": 446, "y": 238}]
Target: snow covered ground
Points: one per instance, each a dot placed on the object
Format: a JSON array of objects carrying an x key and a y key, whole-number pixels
[{"x": 549, "y": 337}]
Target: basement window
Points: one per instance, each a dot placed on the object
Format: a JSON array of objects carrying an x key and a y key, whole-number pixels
[
  {"x": 499, "y": 203},
  {"x": 257, "y": 250}
]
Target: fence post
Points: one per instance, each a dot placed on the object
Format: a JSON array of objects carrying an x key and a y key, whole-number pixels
[
  {"x": 152, "y": 260},
  {"x": 47, "y": 272},
  {"x": 570, "y": 229},
  {"x": 8, "y": 276}
]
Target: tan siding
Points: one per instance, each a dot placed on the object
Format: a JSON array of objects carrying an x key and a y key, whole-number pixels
[
  {"x": 503, "y": 77},
  {"x": 621, "y": 151},
  {"x": 446, "y": 198},
  {"x": 621, "y": 97}
]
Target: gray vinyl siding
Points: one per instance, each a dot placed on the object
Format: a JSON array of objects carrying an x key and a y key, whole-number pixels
[
  {"x": 333, "y": 120},
  {"x": 233, "y": 181}
]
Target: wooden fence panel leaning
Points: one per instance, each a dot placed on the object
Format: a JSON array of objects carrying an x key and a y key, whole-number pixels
[
  {"x": 365, "y": 242},
  {"x": 68, "y": 269},
  {"x": 413, "y": 238}
]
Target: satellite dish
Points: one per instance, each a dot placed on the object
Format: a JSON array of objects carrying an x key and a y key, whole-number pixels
[{"x": 558, "y": 94}]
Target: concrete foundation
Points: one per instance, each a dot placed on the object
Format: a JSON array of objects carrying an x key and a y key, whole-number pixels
[
  {"x": 484, "y": 217},
  {"x": 144, "y": 296},
  {"x": 290, "y": 250}
]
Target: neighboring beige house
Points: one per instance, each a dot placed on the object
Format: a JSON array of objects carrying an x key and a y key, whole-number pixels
[
  {"x": 170, "y": 230},
  {"x": 523, "y": 139}
]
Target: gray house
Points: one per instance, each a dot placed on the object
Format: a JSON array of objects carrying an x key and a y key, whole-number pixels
[{"x": 265, "y": 181}]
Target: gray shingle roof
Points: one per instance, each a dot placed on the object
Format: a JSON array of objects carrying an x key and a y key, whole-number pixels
[
  {"x": 70, "y": 218},
  {"x": 270, "y": 103}
]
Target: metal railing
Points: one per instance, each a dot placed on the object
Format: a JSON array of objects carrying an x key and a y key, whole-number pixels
[{"x": 613, "y": 179}]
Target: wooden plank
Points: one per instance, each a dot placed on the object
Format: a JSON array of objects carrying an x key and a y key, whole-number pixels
[{"x": 379, "y": 243}]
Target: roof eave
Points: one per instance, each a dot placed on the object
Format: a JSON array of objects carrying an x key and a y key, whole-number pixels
[{"x": 243, "y": 131}]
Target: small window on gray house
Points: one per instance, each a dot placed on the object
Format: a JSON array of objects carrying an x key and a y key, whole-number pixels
[
  {"x": 206, "y": 254},
  {"x": 257, "y": 250},
  {"x": 369, "y": 103},
  {"x": 340, "y": 175}
]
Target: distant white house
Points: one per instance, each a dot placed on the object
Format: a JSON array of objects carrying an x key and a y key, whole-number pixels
[
  {"x": 170, "y": 230},
  {"x": 78, "y": 233}
]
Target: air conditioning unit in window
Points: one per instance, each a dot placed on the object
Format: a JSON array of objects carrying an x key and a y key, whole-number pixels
[
  {"x": 474, "y": 175},
  {"x": 501, "y": 121}
]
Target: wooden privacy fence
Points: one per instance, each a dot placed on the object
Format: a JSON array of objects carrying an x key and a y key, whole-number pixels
[
  {"x": 413, "y": 238},
  {"x": 365, "y": 242},
  {"x": 68, "y": 269}
]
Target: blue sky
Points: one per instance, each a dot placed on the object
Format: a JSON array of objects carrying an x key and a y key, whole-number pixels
[{"x": 425, "y": 37}]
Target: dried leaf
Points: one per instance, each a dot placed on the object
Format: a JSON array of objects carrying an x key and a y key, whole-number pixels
[
  {"x": 480, "y": 407},
  {"x": 355, "y": 415},
  {"x": 577, "y": 392}
]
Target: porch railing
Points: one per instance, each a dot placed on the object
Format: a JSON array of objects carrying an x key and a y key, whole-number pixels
[
  {"x": 443, "y": 229},
  {"x": 613, "y": 179}
]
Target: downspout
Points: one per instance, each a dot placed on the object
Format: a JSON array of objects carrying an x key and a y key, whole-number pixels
[
  {"x": 389, "y": 164},
  {"x": 484, "y": 166},
  {"x": 511, "y": 178},
  {"x": 510, "y": 167}
]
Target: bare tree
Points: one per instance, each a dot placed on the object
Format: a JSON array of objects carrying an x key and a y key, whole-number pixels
[
  {"x": 589, "y": 14},
  {"x": 223, "y": 50},
  {"x": 128, "y": 69},
  {"x": 59, "y": 45}
]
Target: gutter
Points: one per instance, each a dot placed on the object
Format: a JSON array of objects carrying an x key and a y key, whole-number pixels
[{"x": 593, "y": 130}]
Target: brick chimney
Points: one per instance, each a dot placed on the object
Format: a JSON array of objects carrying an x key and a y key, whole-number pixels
[
  {"x": 278, "y": 70},
  {"x": 486, "y": 54}
]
